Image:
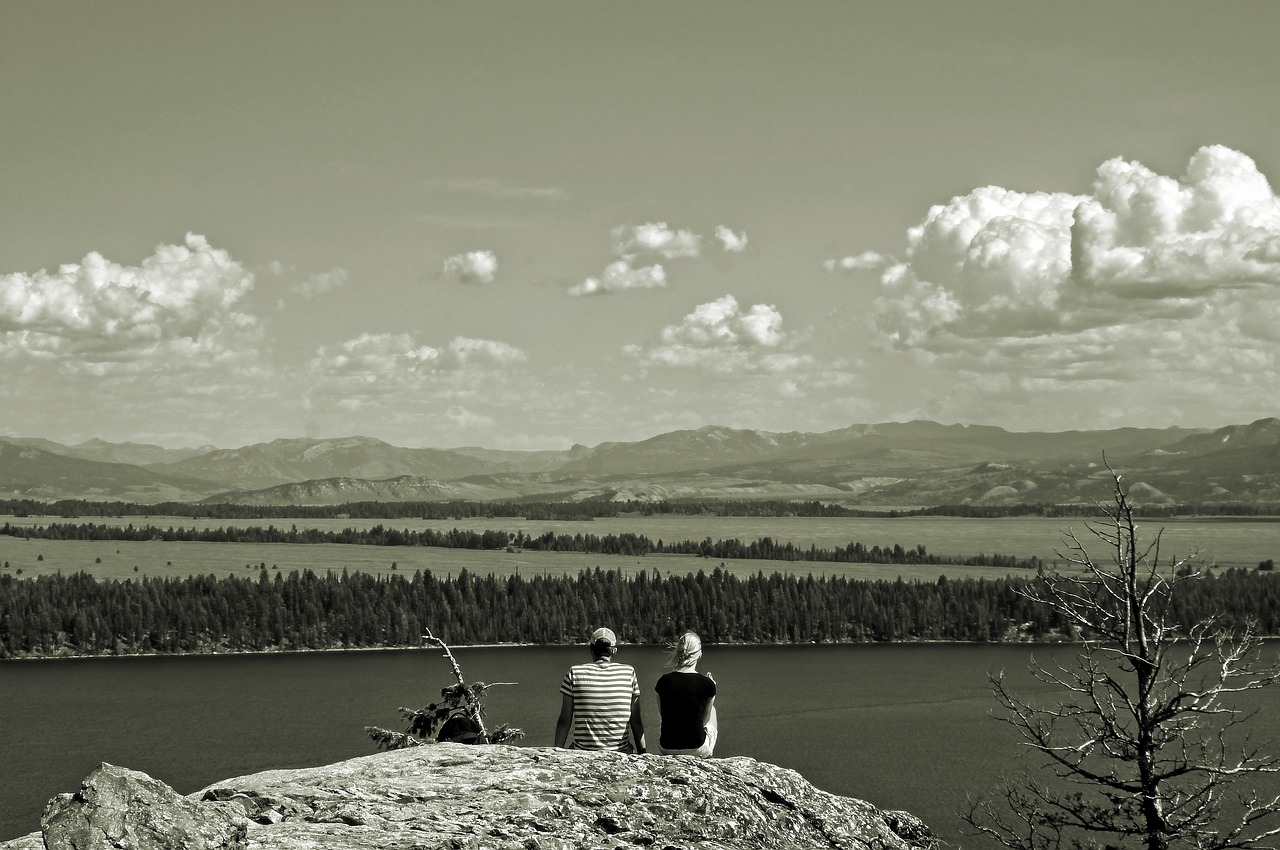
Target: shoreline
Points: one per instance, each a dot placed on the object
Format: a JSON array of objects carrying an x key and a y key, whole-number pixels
[{"x": 517, "y": 645}]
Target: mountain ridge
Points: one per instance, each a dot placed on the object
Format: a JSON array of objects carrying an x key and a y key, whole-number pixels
[{"x": 904, "y": 463}]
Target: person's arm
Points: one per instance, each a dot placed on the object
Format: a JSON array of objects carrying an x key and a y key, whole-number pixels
[
  {"x": 637, "y": 724},
  {"x": 566, "y": 718},
  {"x": 708, "y": 711}
]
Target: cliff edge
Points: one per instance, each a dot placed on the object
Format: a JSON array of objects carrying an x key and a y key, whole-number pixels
[{"x": 452, "y": 796}]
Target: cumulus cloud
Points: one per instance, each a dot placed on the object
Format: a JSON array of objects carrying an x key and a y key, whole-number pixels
[
  {"x": 656, "y": 239},
  {"x": 619, "y": 276},
  {"x": 866, "y": 261},
  {"x": 466, "y": 350},
  {"x": 1113, "y": 285},
  {"x": 404, "y": 384},
  {"x": 732, "y": 243},
  {"x": 176, "y": 310},
  {"x": 395, "y": 359},
  {"x": 472, "y": 267},
  {"x": 721, "y": 337}
]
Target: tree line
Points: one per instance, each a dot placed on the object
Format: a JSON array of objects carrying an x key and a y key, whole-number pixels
[
  {"x": 625, "y": 543},
  {"x": 78, "y": 614},
  {"x": 590, "y": 509}
]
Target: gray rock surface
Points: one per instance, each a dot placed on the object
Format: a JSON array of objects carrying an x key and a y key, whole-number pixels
[
  {"x": 121, "y": 808},
  {"x": 451, "y": 796}
]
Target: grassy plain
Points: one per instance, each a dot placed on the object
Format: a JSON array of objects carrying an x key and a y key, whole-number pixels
[{"x": 1227, "y": 542}]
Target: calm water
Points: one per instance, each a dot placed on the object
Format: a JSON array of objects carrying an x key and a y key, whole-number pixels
[{"x": 903, "y": 726}]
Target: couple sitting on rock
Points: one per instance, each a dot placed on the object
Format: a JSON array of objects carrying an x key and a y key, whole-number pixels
[{"x": 601, "y": 702}]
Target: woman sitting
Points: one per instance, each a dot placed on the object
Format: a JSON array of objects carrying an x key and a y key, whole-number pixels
[{"x": 686, "y": 701}]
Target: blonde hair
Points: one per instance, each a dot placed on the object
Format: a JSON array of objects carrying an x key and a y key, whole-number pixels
[{"x": 685, "y": 649}]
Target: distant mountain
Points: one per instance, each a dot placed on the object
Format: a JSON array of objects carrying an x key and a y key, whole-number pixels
[
  {"x": 901, "y": 464},
  {"x": 289, "y": 460},
  {"x": 338, "y": 491},
  {"x": 137, "y": 454},
  {"x": 891, "y": 449},
  {"x": 30, "y": 472},
  {"x": 522, "y": 461}
]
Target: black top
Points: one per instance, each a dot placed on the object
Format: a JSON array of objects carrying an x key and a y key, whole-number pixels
[{"x": 682, "y": 701}]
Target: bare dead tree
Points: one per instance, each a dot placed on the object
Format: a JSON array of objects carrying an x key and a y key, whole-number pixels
[
  {"x": 458, "y": 716},
  {"x": 1145, "y": 747}
]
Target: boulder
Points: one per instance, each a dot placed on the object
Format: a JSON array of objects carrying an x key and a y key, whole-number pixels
[
  {"x": 120, "y": 808},
  {"x": 455, "y": 796}
]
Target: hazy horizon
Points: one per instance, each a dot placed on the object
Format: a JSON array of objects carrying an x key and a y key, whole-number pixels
[{"x": 524, "y": 227}]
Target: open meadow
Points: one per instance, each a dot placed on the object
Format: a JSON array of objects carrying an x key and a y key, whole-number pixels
[{"x": 1228, "y": 542}]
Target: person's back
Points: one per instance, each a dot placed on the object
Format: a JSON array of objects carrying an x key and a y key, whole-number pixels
[
  {"x": 686, "y": 701},
  {"x": 600, "y": 702},
  {"x": 602, "y": 693},
  {"x": 684, "y": 698}
]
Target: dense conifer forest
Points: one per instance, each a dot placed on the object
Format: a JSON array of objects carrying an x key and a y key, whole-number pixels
[
  {"x": 766, "y": 548},
  {"x": 78, "y": 614}
]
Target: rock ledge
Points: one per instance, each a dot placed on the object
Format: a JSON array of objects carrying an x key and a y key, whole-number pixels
[{"x": 452, "y": 796}]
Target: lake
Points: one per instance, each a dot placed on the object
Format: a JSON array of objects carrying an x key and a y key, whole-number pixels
[{"x": 902, "y": 726}]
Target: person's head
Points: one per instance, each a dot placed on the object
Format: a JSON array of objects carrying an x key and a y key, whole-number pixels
[
  {"x": 685, "y": 651},
  {"x": 604, "y": 643}
]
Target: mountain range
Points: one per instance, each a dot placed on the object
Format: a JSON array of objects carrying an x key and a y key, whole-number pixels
[{"x": 917, "y": 463}]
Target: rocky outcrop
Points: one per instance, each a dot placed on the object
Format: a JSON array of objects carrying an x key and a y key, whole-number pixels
[
  {"x": 452, "y": 796},
  {"x": 120, "y": 808}
]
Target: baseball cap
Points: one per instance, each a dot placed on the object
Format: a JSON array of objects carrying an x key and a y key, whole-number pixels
[{"x": 604, "y": 636}]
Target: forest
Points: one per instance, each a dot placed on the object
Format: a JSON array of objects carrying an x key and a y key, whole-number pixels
[
  {"x": 77, "y": 614},
  {"x": 766, "y": 548}
]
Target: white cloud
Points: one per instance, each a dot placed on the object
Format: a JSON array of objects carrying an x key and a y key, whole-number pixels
[
  {"x": 620, "y": 276},
  {"x": 406, "y": 386},
  {"x": 720, "y": 337},
  {"x": 176, "y": 311},
  {"x": 318, "y": 284},
  {"x": 472, "y": 267},
  {"x": 657, "y": 239},
  {"x": 1146, "y": 278},
  {"x": 466, "y": 350},
  {"x": 732, "y": 243},
  {"x": 400, "y": 359},
  {"x": 497, "y": 189},
  {"x": 866, "y": 261}
]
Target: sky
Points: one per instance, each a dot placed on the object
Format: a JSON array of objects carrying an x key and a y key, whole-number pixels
[{"x": 528, "y": 225}]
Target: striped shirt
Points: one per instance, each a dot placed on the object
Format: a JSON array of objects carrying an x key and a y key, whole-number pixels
[{"x": 602, "y": 693}]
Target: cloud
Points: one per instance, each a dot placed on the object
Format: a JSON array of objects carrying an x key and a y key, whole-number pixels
[
  {"x": 633, "y": 244},
  {"x": 335, "y": 278},
  {"x": 399, "y": 358},
  {"x": 472, "y": 267},
  {"x": 176, "y": 310},
  {"x": 732, "y": 243},
  {"x": 497, "y": 189},
  {"x": 719, "y": 337},
  {"x": 656, "y": 239},
  {"x": 866, "y": 261},
  {"x": 620, "y": 276},
  {"x": 466, "y": 351},
  {"x": 1146, "y": 277},
  {"x": 408, "y": 386}
]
